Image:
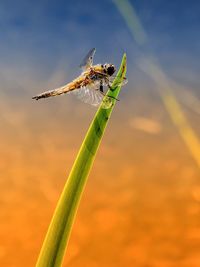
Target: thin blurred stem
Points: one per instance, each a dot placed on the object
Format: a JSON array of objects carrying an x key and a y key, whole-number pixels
[{"x": 165, "y": 91}]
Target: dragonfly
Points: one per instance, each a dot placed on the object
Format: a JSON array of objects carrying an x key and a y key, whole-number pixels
[{"x": 89, "y": 86}]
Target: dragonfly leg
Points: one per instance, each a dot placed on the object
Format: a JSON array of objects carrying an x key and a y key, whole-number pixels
[
  {"x": 101, "y": 87},
  {"x": 109, "y": 96},
  {"x": 109, "y": 86},
  {"x": 113, "y": 97}
]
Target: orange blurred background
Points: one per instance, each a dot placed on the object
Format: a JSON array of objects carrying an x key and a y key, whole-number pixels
[{"x": 141, "y": 206}]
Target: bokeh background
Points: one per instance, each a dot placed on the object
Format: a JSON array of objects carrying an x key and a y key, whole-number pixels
[{"x": 141, "y": 206}]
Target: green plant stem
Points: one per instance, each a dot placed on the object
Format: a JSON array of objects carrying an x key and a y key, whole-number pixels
[{"x": 58, "y": 234}]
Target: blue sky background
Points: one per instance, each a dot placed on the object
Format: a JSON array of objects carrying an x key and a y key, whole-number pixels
[{"x": 40, "y": 37}]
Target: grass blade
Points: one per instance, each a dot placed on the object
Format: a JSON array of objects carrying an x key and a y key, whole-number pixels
[{"x": 57, "y": 237}]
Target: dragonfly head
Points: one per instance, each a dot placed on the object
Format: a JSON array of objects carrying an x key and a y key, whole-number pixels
[{"x": 109, "y": 69}]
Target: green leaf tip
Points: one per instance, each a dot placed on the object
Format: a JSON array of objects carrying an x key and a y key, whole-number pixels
[{"x": 122, "y": 70}]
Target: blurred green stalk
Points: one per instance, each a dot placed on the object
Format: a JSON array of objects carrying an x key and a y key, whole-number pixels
[
  {"x": 189, "y": 137},
  {"x": 54, "y": 246}
]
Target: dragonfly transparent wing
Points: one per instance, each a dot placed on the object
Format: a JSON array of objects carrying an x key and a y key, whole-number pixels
[
  {"x": 88, "y": 60},
  {"x": 109, "y": 81},
  {"x": 91, "y": 95}
]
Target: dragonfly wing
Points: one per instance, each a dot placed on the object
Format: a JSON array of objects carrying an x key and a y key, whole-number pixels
[
  {"x": 110, "y": 80},
  {"x": 88, "y": 60},
  {"x": 91, "y": 95}
]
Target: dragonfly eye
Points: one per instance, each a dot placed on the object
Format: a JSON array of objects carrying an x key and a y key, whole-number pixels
[{"x": 110, "y": 70}]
